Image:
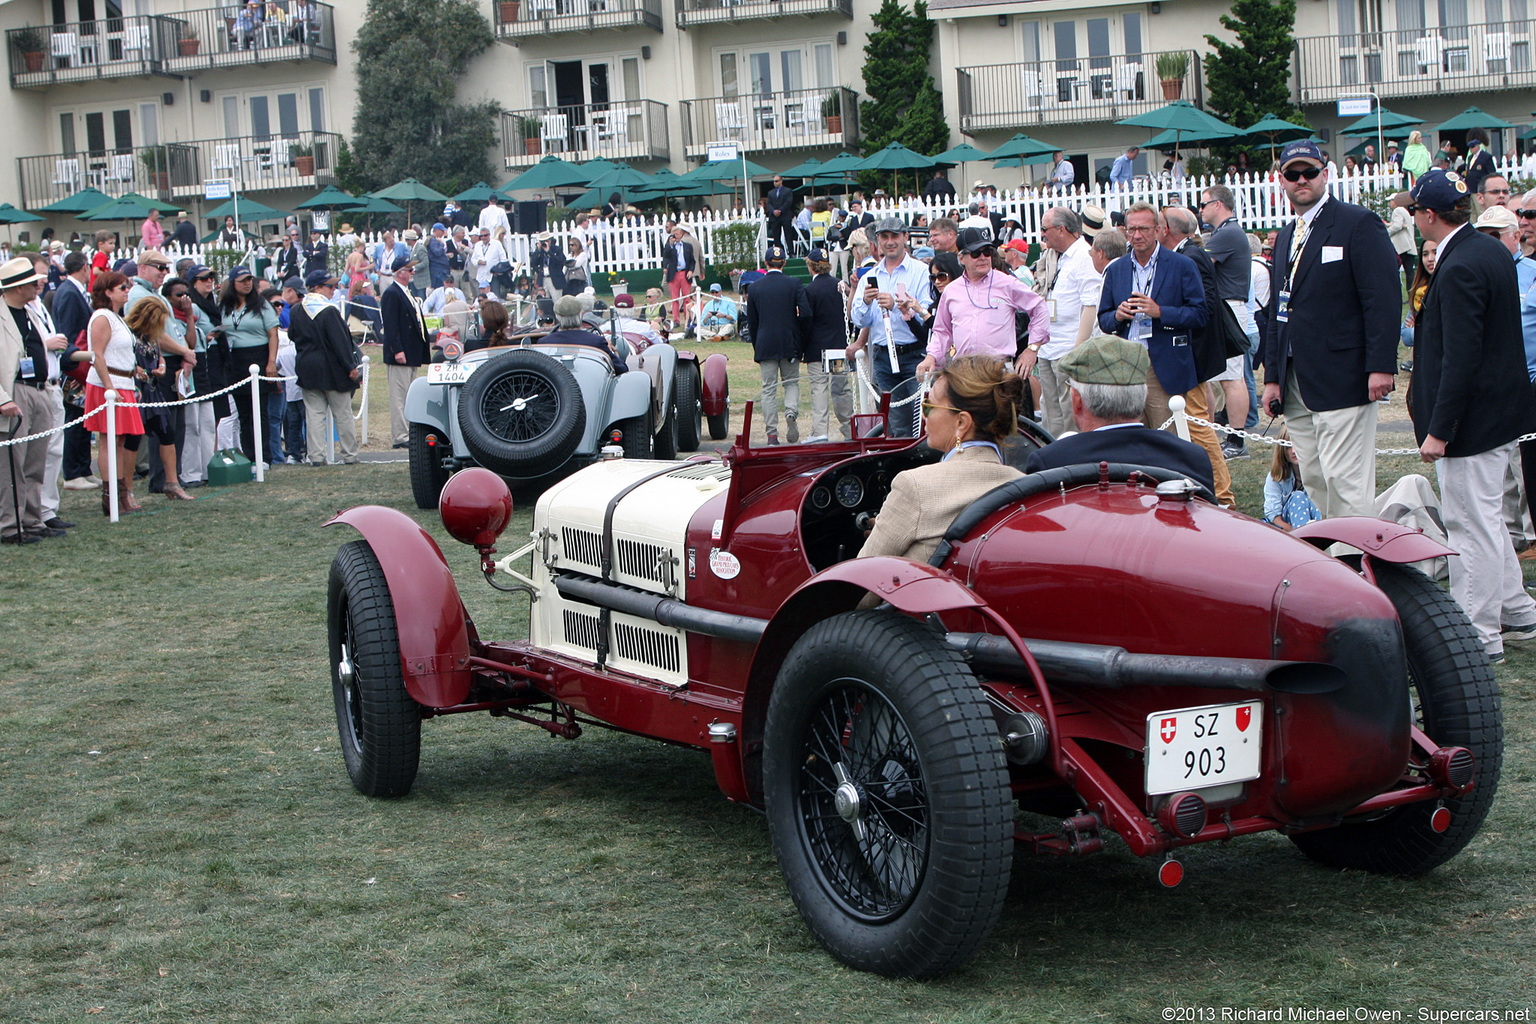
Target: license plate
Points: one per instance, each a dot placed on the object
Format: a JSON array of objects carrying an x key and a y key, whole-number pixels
[
  {"x": 1194, "y": 748},
  {"x": 449, "y": 373}
]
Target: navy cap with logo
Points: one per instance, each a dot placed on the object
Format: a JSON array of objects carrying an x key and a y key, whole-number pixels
[
  {"x": 1301, "y": 149},
  {"x": 972, "y": 239},
  {"x": 775, "y": 253},
  {"x": 817, "y": 255},
  {"x": 320, "y": 278},
  {"x": 1436, "y": 189}
]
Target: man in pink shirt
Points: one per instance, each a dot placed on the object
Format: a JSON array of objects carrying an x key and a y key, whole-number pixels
[
  {"x": 976, "y": 313},
  {"x": 151, "y": 234}
]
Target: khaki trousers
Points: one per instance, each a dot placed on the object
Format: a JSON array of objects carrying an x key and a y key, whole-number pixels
[
  {"x": 339, "y": 404},
  {"x": 1197, "y": 403},
  {"x": 1486, "y": 580},
  {"x": 400, "y": 378},
  {"x": 774, "y": 371},
  {"x": 1055, "y": 397},
  {"x": 24, "y": 463},
  {"x": 1336, "y": 451}
]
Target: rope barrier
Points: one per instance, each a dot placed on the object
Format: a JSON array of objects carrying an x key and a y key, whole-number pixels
[{"x": 1249, "y": 435}]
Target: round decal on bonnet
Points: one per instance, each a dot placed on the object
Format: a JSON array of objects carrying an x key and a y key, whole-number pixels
[{"x": 724, "y": 564}]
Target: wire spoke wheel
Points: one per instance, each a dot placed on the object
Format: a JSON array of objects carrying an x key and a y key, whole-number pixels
[{"x": 519, "y": 407}]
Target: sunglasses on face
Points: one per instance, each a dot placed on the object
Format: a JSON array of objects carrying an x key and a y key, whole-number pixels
[
  {"x": 938, "y": 277},
  {"x": 983, "y": 254},
  {"x": 1495, "y": 191},
  {"x": 1415, "y": 208},
  {"x": 1527, "y": 215},
  {"x": 1303, "y": 172},
  {"x": 929, "y": 407}
]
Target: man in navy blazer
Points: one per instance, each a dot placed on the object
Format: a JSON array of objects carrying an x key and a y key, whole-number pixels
[
  {"x": 1330, "y": 350},
  {"x": 406, "y": 346},
  {"x": 1107, "y": 376}
]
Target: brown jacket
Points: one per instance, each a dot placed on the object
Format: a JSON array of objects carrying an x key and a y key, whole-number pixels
[{"x": 925, "y": 500}]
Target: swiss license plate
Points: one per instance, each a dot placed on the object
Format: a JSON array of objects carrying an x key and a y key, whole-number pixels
[
  {"x": 1194, "y": 748},
  {"x": 449, "y": 373}
]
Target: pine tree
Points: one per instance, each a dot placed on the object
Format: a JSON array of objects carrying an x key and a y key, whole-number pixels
[
  {"x": 1253, "y": 78},
  {"x": 905, "y": 106},
  {"x": 410, "y": 55}
]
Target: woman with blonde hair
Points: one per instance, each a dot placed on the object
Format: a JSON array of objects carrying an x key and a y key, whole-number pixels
[
  {"x": 1415, "y": 156},
  {"x": 148, "y": 321},
  {"x": 973, "y": 405}
]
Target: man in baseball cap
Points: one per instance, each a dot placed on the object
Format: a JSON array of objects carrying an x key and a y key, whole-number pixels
[
  {"x": 1108, "y": 380},
  {"x": 717, "y": 320},
  {"x": 778, "y": 313},
  {"x": 1331, "y": 347},
  {"x": 895, "y": 350}
]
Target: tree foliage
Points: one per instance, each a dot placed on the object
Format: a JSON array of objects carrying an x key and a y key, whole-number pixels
[
  {"x": 907, "y": 107},
  {"x": 1252, "y": 78},
  {"x": 410, "y": 55}
]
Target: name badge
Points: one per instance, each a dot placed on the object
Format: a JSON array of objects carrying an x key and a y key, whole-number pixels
[
  {"x": 1283, "y": 307},
  {"x": 1179, "y": 341},
  {"x": 1050, "y": 304},
  {"x": 28, "y": 368}
]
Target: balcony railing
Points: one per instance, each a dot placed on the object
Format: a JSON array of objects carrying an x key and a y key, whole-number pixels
[
  {"x": 714, "y": 12},
  {"x": 518, "y": 21},
  {"x": 183, "y": 44},
  {"x": 83, "y": 51},
  {"x": 1104, "y": 88},
  {"x": 801, "y": 119},
  {"x": 224, "y": 38},
  {"x": 1416, "y": 61},
  {"x": 628, "y": 130},
  {"x": 175, "y": 171}
]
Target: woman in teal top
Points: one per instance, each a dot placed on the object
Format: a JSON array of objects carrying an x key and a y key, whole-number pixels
[
  {"x": 1415, "y": 157},
  {"x": 250, "y": 327}
]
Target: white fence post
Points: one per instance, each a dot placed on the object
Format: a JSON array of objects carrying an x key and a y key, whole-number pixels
[
  {"x": 258, "y": 413},
  {"x": 111, "y": 482},
  {"x": 362, "y": 415}
]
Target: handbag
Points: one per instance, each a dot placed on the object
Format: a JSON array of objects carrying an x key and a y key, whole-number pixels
[{"x": 1233, "y": 335}]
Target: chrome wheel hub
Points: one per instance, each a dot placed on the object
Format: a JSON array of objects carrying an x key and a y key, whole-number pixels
[{"x": 847, "y": 800}]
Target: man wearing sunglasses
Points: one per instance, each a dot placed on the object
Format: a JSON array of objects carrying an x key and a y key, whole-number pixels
[
  {"x": 976, "y": 314},
  {"x": 1525, "y": 209},
  {"x": 1330, "y": 349},
  {"x": 1471, "y": 399}
]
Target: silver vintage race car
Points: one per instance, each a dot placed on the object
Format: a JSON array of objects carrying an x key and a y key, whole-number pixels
[{"x": 536, "y": 411}]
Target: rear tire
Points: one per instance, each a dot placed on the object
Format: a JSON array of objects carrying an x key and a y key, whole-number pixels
[
  {"x": 1456, "y": 703},
  {"x": 521, "y": 414},
  {"x": 380, "y": 724},
  {"x": 664, "y": 446},
  {"x": 427, "y": 473},
  {"x": 637, "y": 436},
  {"x": 690, "y": 410},
  {"x": 887, "y": 796},
  {"x": 720, "y": 423}
]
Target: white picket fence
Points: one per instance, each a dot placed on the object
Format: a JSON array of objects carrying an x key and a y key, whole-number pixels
[{"x": 636, "y": 243}]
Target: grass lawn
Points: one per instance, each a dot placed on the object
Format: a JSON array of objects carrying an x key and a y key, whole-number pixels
[{"x": 179, "y": 840}]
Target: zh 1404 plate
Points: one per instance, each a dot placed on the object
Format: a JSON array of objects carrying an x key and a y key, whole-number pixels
[
  {"x": 1194, "y": 748},
  {"x": 449, "y": 373}
]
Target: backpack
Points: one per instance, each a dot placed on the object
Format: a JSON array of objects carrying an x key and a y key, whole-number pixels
[{"x": 1102, "y": 174}]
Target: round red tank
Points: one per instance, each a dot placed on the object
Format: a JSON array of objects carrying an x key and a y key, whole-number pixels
[{"x": 476, "y": 506}]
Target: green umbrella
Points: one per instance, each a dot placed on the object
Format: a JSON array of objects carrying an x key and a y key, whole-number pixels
[
  {"x": 479, "y": 192},
  {"x": 840, "y": 166},
  {"x": 1020, "y": 161},
  {"x": 1185, "y": 118},
  {"x": 667, "y": 182},
  {"x": 896, "y": 158},
  {"x": 124, "y": 208},
  {"x": 597, "y": 165},
  {"x": 961, "y": 154},
  {"x": 550, "y": 172},
  {"x": 409, "y": 191},
  {"x": 11, "y": 215},
  {"x": 1277, "y": 130},
  {"x": 806, "y": 168},
  {"x": 621, "y": 177},
  {"x": 250, "y": 210},
  {"x": 725, "y": 170},
  {"x": 1020, "y": 145},
  {"x": 1472, "y": 117},
  {"x": 84, "y": 201},
  {"x": 1528, "y": 132},
  {"x": 1367, "y": 125},
  {"x": 332, "y": 198},
  {"x": 152, "y": 203},
  {"x": 373, "y": 204},
  {"x": 1173, "y": 138},
  {"x": 213, "y": 236}
]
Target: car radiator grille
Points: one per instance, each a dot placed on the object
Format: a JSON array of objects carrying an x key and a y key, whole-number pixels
[
  {"x": 582, "y": 630},
  {"x": 641, "y": 560},
  {"x": 583, "y": 546},
  {"x": 647, "y": 646}
]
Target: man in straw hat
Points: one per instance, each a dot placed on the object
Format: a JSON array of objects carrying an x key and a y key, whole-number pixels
[
  {"x": 24, "y": 408},
  {"x": 1108, "y": 378}
]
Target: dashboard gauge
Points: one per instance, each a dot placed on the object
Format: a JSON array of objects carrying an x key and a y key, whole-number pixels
[
  {"x": 850, "y": 491},
  {"x": 880, "y": 482},
  {"x": 821, "y": 498}
]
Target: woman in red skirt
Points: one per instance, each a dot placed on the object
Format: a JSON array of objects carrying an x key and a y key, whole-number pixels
[{"x": 115, "y": 369}]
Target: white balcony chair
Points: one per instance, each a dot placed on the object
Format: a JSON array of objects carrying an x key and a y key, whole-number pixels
[
  {"x": 728, "y": 123},
  {"x": 227, "y": 158},
  {"x": 799, "y": 117},
  {"x": 1427, "y": 51},
  {"x": 554, "y": 128},
  {"x": 1495, "y": 51},
  {"x": 120, "y": 170},
  {"x": 67, "y": 174},
  {"x": 136, "y": 43},
  {"x": 66, "y": 47},
  {"x": 276, "y": 159},
  {"x": 1033, "y": 92},
  {"x": 1126, "y": 77}
]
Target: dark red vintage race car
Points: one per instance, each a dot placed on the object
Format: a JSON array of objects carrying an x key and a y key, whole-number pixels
[{"x": 1079, "y": 647}]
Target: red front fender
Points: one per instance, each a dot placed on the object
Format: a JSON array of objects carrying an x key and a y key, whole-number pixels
[
  {"x": 716, "y": 388},
  {"x": 429, "y": 616},
  {"x": 1379, "y": 538}
]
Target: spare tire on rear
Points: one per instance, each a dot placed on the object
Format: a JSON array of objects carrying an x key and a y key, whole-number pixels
[{"x": 521, "y": 414}]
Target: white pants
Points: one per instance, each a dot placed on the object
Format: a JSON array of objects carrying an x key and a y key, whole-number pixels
[
  {"x": 55, "y": 463},
  {"x": 339, "y": 404},
  {"x": 1337, "y": 454},
  {"x": 1486, "y": 579},
  {"x": 1055, "y": 397},
  {"x": 197, "y": 448},
  {"x": 400, "y": 378}
]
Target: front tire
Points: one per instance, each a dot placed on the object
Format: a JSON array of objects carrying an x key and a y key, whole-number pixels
[
  {"x": 380, "y": 724},
  {"x": 1456, "y": 703},
  {"x": 887, "y": 795},
  {"x": 427, "y": 473}
]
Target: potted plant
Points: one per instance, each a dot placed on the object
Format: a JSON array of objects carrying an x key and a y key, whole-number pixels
[
  {"x": 832, "y": 111},
  {"x": 529, "y": 126},
  {"x": 189, "y": 41},
  {"x": 33, "y": 46},
  {"x": 303, "y": 159},
  {"x": 508, "y": 10},
  {"x": 1171, "y": 69},
  {"x": 157, "y": 160}
]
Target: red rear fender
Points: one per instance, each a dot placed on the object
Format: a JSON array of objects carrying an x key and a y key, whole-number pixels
[
  {"x": 430, "y": 618},
  {"x": 716, "y": 389},
  {"x": 1379, "y": 538}
]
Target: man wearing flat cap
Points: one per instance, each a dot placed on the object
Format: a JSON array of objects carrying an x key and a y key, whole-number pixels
[
  {"x": 1108, "y": 378},
  {"x": 1471, "y": 399},
  {"x": 1330, "y": 348},
  {"x": 569, "y": 330},
  {"x": 25, "y": 408}
]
